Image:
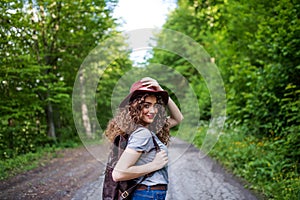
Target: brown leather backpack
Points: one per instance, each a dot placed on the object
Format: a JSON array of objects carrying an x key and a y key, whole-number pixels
[{"x": 120, "y": 190}]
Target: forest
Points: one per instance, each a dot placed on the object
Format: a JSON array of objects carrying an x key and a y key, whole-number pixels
[{"x": 255, "y": 45}]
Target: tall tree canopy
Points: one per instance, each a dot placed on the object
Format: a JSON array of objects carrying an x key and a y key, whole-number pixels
[
  {"x": 255, "y": 44},
  {"x": 43, "y": 44}
]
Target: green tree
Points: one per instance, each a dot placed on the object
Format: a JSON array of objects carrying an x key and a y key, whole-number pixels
[
  {"x": 43, "y": 44},
  {"x": 255, "y": 45}
]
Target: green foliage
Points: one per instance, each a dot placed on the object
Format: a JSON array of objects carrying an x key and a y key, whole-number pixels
[
  {"x": 22, "y": 163},
  {"x": 255, "y": 44},
  {"x": 21, "y": 139},
  {"x": 106, "y": 87},
  {"x": 43, "y": 44},
  {"x": 259, "y": 75},
  {"x": 261, "y": 162}
]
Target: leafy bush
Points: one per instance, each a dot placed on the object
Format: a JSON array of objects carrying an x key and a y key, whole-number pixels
[
  {"x": 12, "y": 166},
  {"x": 261, "y": 161},
  {"x": 21, "y": 138}
]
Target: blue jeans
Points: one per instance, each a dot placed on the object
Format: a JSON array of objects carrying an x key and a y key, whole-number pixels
[{"x": 149, "y": 195}]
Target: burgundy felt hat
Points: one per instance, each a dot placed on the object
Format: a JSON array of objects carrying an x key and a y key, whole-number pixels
[{"x": 138, "y": 88}]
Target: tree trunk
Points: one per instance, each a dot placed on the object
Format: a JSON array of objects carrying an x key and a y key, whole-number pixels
[
  {"x": 84, "y": 109},
  {"x": 50, "y": 121}
]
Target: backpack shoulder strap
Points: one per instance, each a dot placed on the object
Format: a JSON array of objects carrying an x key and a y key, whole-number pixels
[
  {"x": 156, "y": 146},
  {"x": 125, "y": 193}
]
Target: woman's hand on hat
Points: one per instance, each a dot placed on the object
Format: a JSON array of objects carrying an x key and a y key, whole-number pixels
[{"x": 150, "y": 82}]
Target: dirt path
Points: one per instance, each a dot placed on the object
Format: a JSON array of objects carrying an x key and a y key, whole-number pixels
[
  {"x": 59, "y": 179},
  {"x": 77, "y": 175}
]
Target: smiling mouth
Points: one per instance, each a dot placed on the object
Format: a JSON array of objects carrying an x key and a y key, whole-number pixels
[{"x": 151, "y": 116}]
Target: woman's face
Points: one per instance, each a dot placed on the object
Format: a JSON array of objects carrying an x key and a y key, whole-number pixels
[{"x": 149, "y": 110}]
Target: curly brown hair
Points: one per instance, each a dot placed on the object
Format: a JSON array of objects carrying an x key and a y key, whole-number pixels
[{"x": 128, "y": 119}]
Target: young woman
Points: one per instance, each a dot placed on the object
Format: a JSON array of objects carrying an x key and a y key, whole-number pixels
[{"x": 142, "y": 115}]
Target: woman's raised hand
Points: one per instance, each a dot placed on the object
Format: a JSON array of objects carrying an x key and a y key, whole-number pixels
[{"x": 150, "y": 82}]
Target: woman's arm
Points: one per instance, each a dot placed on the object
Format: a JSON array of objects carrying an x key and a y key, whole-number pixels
[
  {"x": 175, "y": 114},
  {"x": 126, "y": 169}
]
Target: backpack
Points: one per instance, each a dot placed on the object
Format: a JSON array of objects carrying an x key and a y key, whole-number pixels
[{"x": 120, "y": 190}]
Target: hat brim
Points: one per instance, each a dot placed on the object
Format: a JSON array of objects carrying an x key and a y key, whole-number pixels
[{"x": 163, "y": 94}]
